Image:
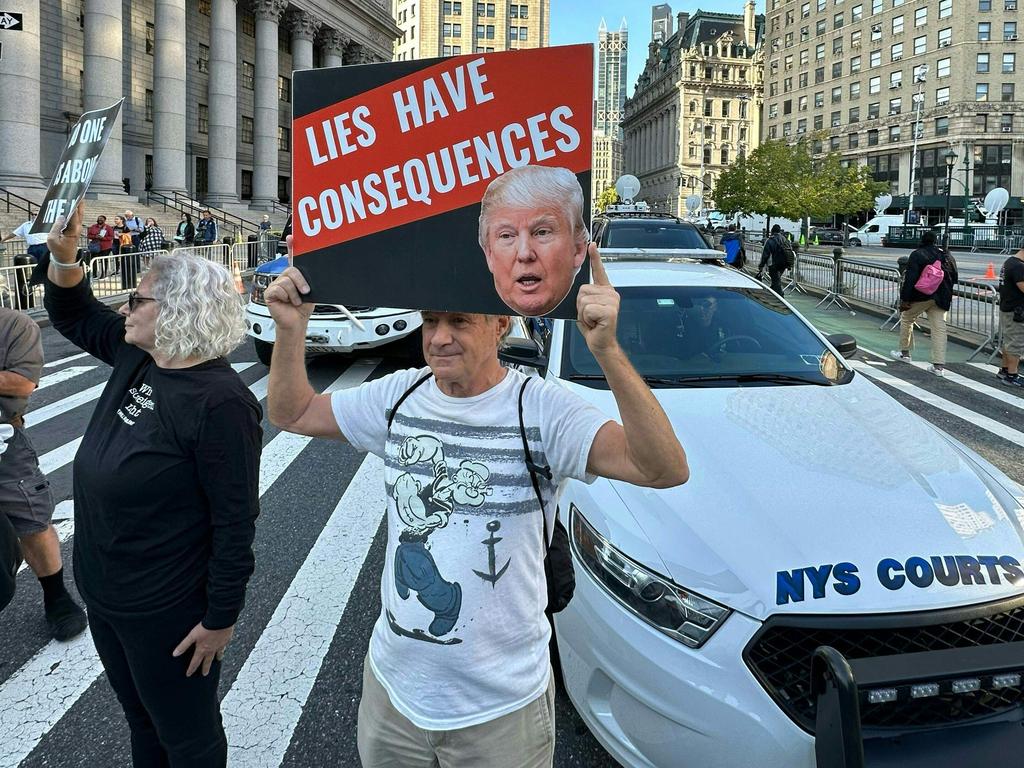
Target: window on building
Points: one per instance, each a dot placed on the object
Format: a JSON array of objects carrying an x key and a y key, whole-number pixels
[
  {"x": 875, "y": 59},
  {"x": 921, "y": 16},
  {"x": 821, "y": 27},
  {"x": 854, "y": 115},
  {"x": 1006, "y": 123},
  {"x": 837, "y": 46},
  {"x": 1009, "y": 63},
  {"x": 485, "y": 9},
  {"x": 819, "y": 99},
  {"x": 819, "y": 75},
  {"x": 873, "y": 109},
  {"x": 941, "y": 126},
  {"x": 803, "y": 79},
  {"x": 945, "y": 9},
  {"x": 895, "y": 106},
  {"x": 833, "y": 144},
  {"x": 984, "y": 5},
  {"x": 942, "y": 96},
  {"x": 873, "y": 137},
  {"x": 725, "y": 155},
  {"x": 522, "y": 34},
  {"x": 945, "y": 37},
  {"x": 885, "y": 168},
  {"x": 856, "y": 13},
  {"x": 246, "y": 190},
  {"x": 773, "y": 111},
  {"x": 805, "y": 10},
  {"x": 854, "y": 65},
  {"x": 835, "y": 119},
  {"x": 943, "y": 69},
  {"x": 247, "y": 22},
  {"x": 981, "y": 92},
  {"x": 707, "y": 154},
  {"x": 1006, "y": 92},
  {"x": 837, "y": 21},
  {"x": 982, "y": 63},
  {"x": 150, "y": 37},
  {"x": 726, "y": 108},
  {"x": 920, "y": 45},
  {"x": 708, "y": 108},
  {"x": 149, "y": 106},
  {"x": 896, "y": 51},
  {"x": 874, "y": 85},
  {"x": 204, "y": 118},
  {"x": 205, "y": 7},
  {"x": 787, "y": 107},
  {"x": 854, "y": 90},
  {"x": 248, "y": 75},
  {"x": 895, "y": 80},
  {"x": 284, "y": 89},
  {"x": 981, "y": 123},
  {"x": 1009, "y": 30},
  {"x": 876, "y": 32},
  {"x": 819, "y": 122},
  {"x": 897, "y": 25},
  {"x": 203, "y": 62},
  {"x": 246, "y": 130},
  {"x": 984, "y": 30},
  {"x": 855, "y": 37},
  {"x": 284, "y": 139},
  {"x": 992, "y": 167},
  {"x": 819, "y": 52},
  {"x": 726, "y": 133},
  {"x": 837, "y": 70},
  {"x": 876, "y": 7},
  {"x": 837, "y": 94}
]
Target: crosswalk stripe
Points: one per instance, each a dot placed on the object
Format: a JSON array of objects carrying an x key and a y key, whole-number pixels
[
  {"x": 1000, "y": 394},
  {"x": 63, "y": 375},
  {"x": 65, "y": 360},
  {"x": 282, "y": 450},
  {"x": 986, "y": 367},
  {"x": 36, "y": 696},
  {"x": 267, "y": 698},
  {"x": 977, "y": 419},
  {"x": 47, "y": 412}
]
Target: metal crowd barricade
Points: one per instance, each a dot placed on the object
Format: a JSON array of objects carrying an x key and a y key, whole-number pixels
[
  {"x": 975, "y": 308},
  {"x": 1012, "y": 243},
  {"x": 15, "y": 292},
  {"x": 871, "y": 283}
]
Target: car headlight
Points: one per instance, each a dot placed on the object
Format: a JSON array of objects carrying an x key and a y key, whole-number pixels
[{"x": 680, "y": 614}]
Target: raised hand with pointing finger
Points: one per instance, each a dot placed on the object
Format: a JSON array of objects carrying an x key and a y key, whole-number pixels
[{"x": 597, "y": 308}]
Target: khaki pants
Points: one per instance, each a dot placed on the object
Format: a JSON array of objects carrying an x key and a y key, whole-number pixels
[
  {"x": 937, "y": 323},
  {"x": 521, "y": 739}
]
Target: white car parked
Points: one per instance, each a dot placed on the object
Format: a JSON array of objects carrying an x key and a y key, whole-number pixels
[{"x": 820, "y": 513}]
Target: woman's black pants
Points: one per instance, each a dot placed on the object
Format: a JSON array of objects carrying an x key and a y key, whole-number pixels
[{"x": 174, "y": 720}]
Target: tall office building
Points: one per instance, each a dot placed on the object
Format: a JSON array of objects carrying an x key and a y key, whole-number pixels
[
  {"x": 452, "y": 27},
  {"x": 865, "y": 76},
  {"x": 661, "y": 22},
  {"x": 696, "y": 106},
  {"x": 612, "y": 49}
]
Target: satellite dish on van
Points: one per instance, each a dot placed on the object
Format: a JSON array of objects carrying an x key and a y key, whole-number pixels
[
  {"x": 882, "y": 203},
  {"x": 627, "y": 187},
  {"x": 694, "y": 202},
  {"x": 996, "y": 200}
]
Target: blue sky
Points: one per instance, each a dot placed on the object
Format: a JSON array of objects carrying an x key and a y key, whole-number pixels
[{"x": 576, "y": 21}]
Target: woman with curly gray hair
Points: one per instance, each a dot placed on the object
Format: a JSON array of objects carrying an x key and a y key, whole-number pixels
[{"x": 166, "y": 490}]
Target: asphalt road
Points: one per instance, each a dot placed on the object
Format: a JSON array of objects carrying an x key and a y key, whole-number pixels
[{"x": 56, "y": 708}]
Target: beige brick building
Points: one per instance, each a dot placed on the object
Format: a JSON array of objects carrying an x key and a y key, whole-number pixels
[
  {"x": 696, "y": 106},
  {"x": 451, "y": 27},
  {"x": 854, "y": 70}
]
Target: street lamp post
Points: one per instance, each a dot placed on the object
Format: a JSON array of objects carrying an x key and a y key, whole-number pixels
[
  {"x": 919, "y": 105},
  {"x": 950, "y": 158},
  {"x": 967, "y": 198}
]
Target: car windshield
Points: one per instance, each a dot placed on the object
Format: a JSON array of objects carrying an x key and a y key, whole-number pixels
[
  {"x": 647, "y": 233},
  {"x": 709, "y": 336}
]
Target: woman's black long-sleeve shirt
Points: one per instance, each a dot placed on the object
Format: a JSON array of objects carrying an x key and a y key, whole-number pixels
[{"x": 166, "y": 479}]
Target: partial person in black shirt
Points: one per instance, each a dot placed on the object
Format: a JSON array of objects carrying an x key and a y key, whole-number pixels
[{"x": 166, "y": 493}]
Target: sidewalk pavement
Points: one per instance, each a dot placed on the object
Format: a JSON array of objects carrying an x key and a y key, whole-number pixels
[{"x": 864, "y": 327}]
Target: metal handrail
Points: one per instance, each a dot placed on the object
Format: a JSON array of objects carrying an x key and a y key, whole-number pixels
[
  {"x": 186, "y": 205},
  {"x": 219, "y": 213},
  {"x": 18, "y": 203},
  {"x": 280, "y": 207}
]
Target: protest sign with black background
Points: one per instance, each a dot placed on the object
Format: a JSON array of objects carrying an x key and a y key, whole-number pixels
[
  {"x": 390, "y": 162},
  {"x": 77, "y": 166}
]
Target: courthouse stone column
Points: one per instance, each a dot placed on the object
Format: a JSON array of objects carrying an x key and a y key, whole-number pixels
[
  {"x": 169, "y": 97},
  {"x": 304, "y": 28},
  {"x": 265, "y": 118},
  {"x": 334, "y": 43},
  {"x": 19, "y": 102},
  {"x": 102, "y": 84},
  {"x": 223, "y": 153}
]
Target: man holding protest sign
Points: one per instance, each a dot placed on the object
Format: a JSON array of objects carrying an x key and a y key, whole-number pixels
[{"x": 460, "y": 676}]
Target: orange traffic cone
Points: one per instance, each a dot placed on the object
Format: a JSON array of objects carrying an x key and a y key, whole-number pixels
[
  {"x": 990, "y": 273},
  {"x": 235, "y": 273}
]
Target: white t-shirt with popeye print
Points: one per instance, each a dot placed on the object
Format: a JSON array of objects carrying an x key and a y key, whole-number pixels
[{"x": 462, "y": 637}]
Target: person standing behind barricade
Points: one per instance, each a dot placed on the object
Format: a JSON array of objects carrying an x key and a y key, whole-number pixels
[
  {"x": 927, "y": 289},
  {"x": 735, "y": 253},
  {"x": 166, "y": 491},
  {"x": 210, "y": 230},
  {"x": 186, "y": 234},
  {"x": 119, "y": 229},
  {"x": 134, "y": 225},
  {"x": 101, "y": 237},
  {"x": 152, "y": 237},
  {"x": 25, "y": 498},
  {"x": 1011, "y": 318},
  {"x": 35, "y": 247},
  {"x": 778, "y": 256},
  {"x": 129, "y": 261}
]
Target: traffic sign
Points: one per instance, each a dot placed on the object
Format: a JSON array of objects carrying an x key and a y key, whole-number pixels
[{"x": 11, "y": 21}]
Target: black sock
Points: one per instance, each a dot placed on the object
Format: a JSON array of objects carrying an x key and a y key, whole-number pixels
[{"x": 53, "y": 587}]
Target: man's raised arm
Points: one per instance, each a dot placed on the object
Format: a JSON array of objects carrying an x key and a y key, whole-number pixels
[
  {"x": 292, "y": 404},
  {"x": 644, "y": 449}
]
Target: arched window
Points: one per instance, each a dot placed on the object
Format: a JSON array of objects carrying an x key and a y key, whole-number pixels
[{"x": 693, "y": 107}]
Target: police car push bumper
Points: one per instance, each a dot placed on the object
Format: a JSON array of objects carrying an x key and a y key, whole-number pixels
[{"x": 335, "y": 333}]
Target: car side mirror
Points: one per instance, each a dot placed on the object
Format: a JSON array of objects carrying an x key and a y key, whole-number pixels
[
  {"x": 844, "y": 343},
  {"x": 516, "y": 351}
]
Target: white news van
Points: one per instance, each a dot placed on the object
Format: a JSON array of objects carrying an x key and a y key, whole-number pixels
[{"x": 875, "y": 229}]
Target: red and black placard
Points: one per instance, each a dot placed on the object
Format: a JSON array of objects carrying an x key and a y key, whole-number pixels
[{"x": 390, "y": 161}]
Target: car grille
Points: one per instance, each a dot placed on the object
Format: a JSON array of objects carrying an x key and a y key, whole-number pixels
[{"x": 780, "y": 657}]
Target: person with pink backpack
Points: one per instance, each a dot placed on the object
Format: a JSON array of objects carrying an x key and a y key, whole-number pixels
[{"x": 927, "y": 289}]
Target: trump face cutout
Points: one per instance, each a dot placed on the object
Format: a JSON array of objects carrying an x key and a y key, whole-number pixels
[{"x": 533, "y": 237}]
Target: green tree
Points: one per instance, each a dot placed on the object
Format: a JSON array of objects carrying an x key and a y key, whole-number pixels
[{"x": 606, "y": 198}]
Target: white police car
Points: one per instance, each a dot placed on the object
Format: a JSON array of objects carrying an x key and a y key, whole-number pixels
[
  {"x": 820, "y": 513},
  {"x": 329, "y": 330}
]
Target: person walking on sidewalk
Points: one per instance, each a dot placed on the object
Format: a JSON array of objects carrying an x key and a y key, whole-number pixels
[
  {"x": 927, "y": 289},
  {"x": 778, "y": 255},
  {"x": 1011, "y": 318},
  {"x": 735, "y": 253},
  {"x": 25, "y": 498}
]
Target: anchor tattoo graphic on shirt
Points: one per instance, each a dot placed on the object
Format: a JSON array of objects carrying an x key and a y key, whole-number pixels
[{"x": 423, "y": 509}]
